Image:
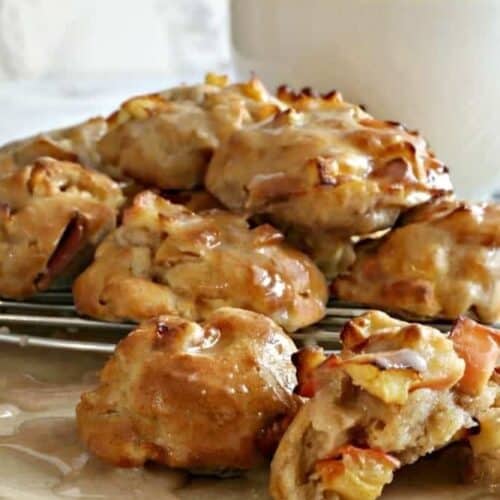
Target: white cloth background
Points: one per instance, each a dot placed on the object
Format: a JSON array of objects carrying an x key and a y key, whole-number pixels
[
  {"x": 62, "y": 61},
  {"x": 77, "y": 38}
]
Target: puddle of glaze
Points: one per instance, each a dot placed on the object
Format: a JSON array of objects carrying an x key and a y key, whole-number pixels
[
  {"x": 98, "y": 480},
  {"x": 50, "y": 447},
  {"x": 32, "y": 395},
  {"x": 41, "y": 457},
  {"x": 51, "y": 441},
  {"x": 46, "y": 365},
  {"x": 9, "y": 411},
  {"x": 252, "y": 486},
  {"x": 37, "y": 380}
]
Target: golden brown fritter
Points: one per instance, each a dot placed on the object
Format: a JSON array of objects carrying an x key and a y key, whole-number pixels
[
  {"x": 188, "y": 395},
  {"x": 396, "y": 392},
  {"x": 165, "y": 259},
  {"x": 167, "y": 139},
  {"x": 327, "y": 171},
  {"x": 75, "y": 144},
  {"x": 442, "y": 261},
  {"x": 52, "y": 214}
]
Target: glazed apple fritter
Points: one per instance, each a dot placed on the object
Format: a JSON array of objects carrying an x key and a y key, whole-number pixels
[
  {"x": 327, "y": 171},
  {"x": 164, "y": 259},
  {"x": 166, "y": 139},
  {"x": 396, "y": 392},
  {"x": 52, "y": 215},
  {"x": 442, "y": 260},
  {"x": 75, "y": 144},
  {"x": 188, "y": 395}
]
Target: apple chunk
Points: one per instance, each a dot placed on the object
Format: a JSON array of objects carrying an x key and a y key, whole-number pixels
[
  {"x": 391, "y": 386},
  {"x": 356, "y": 473},
  {"x": 477, "y": 345}
]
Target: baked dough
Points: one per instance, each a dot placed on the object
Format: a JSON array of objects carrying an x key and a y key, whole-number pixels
[
  {"x": 485, "y": 458},
  {"x": 77, "y": 143},
  {"x": 326, "y": 170},
  {"x": 442, "y": 260},
  {"x": 167, "y": 139},
  {"x": 165, "y": 259},
  {"x": 189, "y": 395},
  {"x": 52, "y": 215},
  {"x": 396, "y": 392}
]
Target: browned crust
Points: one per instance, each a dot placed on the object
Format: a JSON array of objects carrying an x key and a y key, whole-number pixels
[
  {"x": 351, "y": 411},
  {"x": 438, "y": 262},
  {"x": 326, "y": 167},
  {"x": 53, "y": 212},
  {"x": 166, "y": 139},
  {"x": 192, "y": 396},
  {"x": 165, "y": 259}
]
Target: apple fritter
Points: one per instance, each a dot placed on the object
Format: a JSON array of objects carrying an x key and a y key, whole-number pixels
[
  {"x": 52, "y": 216},
  {"x": 396, "y": 392},
  {"x": 77, "y": 143},
  {"x": 441, "y": 261},
  {"x": 189, "y": 395},
  {"x": 167, "y": 139},
  {"x": 326, "y": 170},
  {"x": 165, "y": 259}
]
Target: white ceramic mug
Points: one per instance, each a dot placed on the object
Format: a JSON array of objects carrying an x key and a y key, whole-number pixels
[{"x": 431, "y": 64}]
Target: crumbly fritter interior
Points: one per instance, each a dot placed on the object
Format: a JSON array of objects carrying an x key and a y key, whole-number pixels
[{"x": 396, "y": 392}]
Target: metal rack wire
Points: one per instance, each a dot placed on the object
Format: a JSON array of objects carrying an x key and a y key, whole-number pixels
[{"x": 50, "y": 320}]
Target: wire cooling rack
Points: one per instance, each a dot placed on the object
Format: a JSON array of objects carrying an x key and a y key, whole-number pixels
[{"x": 50, "y": 320}]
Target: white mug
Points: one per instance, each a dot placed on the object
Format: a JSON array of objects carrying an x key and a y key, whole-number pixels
[{"x": 431, "y": 64}]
